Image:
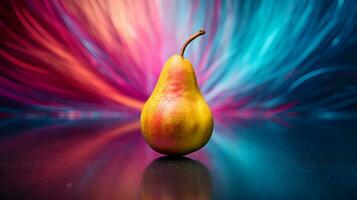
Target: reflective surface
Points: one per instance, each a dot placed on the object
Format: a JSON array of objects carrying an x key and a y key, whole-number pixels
[
  {"x": 245, "y": 159},
  {"x": 176, "y": 178}
]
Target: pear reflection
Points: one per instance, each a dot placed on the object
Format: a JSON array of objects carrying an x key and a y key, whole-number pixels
[{"x": 176, "y": 178}]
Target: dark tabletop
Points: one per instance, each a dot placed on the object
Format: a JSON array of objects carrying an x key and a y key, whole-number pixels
[{"x": 245, "y": 159}]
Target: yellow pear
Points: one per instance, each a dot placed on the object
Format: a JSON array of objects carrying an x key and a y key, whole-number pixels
[{"x": 176, "y": 120}]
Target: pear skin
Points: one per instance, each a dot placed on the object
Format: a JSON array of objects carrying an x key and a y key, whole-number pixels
[{"x": 176, "y": 120}]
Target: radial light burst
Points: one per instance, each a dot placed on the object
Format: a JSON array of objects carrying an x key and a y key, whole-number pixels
[{"x": 102, "y": 58}]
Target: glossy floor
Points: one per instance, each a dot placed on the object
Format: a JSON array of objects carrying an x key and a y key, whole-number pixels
[{"x": 245, "y": 159}]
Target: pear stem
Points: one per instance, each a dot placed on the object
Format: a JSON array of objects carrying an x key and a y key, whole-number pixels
[{"x": 194, "y": 36}]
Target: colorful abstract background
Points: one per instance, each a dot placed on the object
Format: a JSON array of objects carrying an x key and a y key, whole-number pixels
[{"x": 279, "y": 75}]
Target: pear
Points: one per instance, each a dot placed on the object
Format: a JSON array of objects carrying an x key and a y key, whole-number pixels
[{"x": 176, "y": 120}]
